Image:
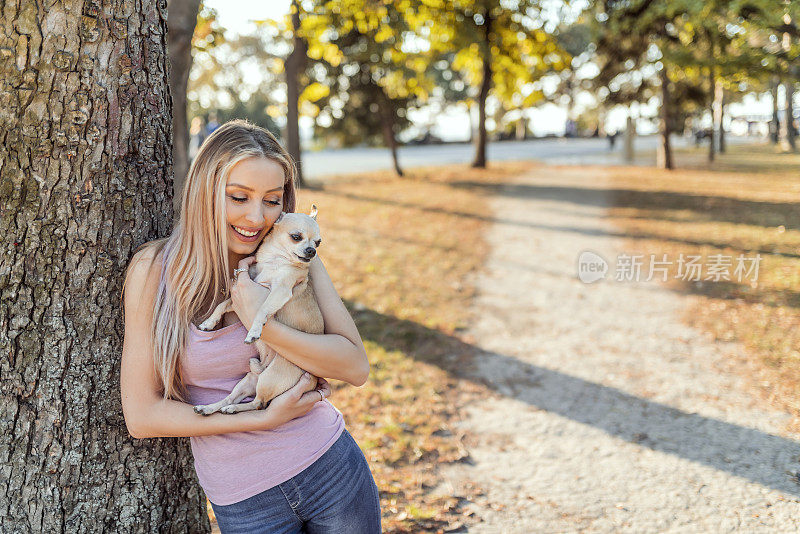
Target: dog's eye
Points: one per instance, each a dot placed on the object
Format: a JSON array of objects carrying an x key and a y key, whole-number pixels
[
  {"x": 317, "y": 242},
  {"x": 297, "y": 237}
]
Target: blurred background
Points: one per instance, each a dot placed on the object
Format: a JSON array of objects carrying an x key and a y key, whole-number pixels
[
  {"x": 327, "y": 75},
  {"x": 463, "y": 154}
]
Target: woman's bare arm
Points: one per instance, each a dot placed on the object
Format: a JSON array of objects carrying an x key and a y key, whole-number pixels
[
  {"x": 338, "y": 353},
  {"x": 147, "y": 413}
]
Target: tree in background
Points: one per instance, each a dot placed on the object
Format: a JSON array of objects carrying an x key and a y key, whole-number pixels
[
  {"x": 637, "y": 44},
  {"x": 498, "y": 46},
  {"x": 85, "y": 178},
  {"x": 715, "y": 40},
  {"x": 765, "y": 49},
  {"x": 181, "y": 24},
  {"x": 295, "y": 65},
  {"x": 363, "y": 77},
  {"x": 576, "y": 39},
  {"x": 239, "y": 78},
  {"x": 449, "y": 90}
]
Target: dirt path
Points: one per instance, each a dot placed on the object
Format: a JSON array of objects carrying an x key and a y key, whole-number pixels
[{"x": 609, "y": 414}]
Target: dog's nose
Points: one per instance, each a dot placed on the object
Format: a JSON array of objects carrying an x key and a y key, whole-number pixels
[{"x": 311, "y": 252}]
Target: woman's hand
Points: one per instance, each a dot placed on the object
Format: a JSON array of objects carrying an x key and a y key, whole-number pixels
[
  {"x": 247, "y": 296},
  {"x": 297, "y": 400}
]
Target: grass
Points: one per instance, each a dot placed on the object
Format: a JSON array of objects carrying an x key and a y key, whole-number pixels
[{"x": 744, "y": 203}]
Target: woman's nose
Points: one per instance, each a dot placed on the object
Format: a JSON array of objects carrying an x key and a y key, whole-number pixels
[{"x": 255, "y": 216}]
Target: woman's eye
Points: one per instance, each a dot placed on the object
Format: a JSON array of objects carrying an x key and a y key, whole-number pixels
[{"x": 244, "y": 199}]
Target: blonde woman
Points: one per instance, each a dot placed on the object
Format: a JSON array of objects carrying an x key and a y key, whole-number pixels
[{"x": 292, "y": 467}]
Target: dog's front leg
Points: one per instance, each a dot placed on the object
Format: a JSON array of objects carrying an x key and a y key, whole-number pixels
[
  {"x": 221, "y": 309},
  {"x": 277, "y": 298}
]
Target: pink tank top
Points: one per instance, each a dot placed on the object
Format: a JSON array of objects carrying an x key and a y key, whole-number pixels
[{"x": 232, "y": 467}]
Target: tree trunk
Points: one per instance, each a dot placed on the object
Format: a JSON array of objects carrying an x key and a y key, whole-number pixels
[
  {"x": 788, "y": 133},
  {"x": 712, "y": 108},
  {"x": 521, "y": 129},
  {"x": 630, "y": 133},
  {"x": 387, "y": 127},
  {"x": 775, "y": 126},
  {"x": 664, "y": 156},
  {"x": 85, "y": 177},
  {"x": 295, "y": 65},
  {"x": 181, "y": 23},
  {"x": 486, "y": 84},
  {"x": 471, "y": 139},
  {"x": 721, "y": 122}
]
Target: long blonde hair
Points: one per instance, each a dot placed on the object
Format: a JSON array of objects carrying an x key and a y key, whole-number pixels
[{"x": 195, "y": 254}]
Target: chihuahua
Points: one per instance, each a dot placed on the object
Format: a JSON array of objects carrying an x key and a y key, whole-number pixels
[{"x": 282, "y": 262}]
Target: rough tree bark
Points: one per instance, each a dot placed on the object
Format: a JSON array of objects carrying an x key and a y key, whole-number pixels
[
  {"x": 295, "y": 65},
  {"x": 486, "y": 84},
  {"x": 85, "y": 177},
  {"x": 181, "y": 23}
]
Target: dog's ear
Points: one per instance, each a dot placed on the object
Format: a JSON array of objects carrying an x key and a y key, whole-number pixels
[
  {"x": 279, "y": 218},
  {"x": 313, "y": 213}
]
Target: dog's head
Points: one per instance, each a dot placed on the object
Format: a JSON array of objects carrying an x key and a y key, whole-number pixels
[{"x": 297, "y": 234}]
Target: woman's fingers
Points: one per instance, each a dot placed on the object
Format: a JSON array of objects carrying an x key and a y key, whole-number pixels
[
  {"x": 302, "y": 384},
  {"x": 313, "y": 395},
  {"x": 324, "y": 387},
  {"x": 246, "y": 262}
]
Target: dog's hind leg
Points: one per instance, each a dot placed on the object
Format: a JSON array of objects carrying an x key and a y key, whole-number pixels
[
  {"x": 279, "y": 376},
  {"x": 245, "y": 388}
]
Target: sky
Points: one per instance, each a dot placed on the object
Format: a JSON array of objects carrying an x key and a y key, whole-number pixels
[{"x": 237, "y": 15}]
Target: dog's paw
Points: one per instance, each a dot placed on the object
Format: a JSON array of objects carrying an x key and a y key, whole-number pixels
[
  {"x": 203, "y": 410},
  {"x": 252, "y": 336},
  {"x": 207, "y": 325},
  {"x": 228, "y": 409}
]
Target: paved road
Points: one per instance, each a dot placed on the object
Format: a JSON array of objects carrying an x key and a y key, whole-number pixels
[{"x": 561, "y": 151}]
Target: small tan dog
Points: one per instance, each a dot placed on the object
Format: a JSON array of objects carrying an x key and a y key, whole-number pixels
[{"x": 282, "y": 262}]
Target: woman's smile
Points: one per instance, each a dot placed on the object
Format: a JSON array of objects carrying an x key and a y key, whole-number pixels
[{"x": 247, "y": 234}]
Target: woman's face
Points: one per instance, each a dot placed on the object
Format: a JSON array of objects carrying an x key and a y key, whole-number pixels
[{"x": 253, "y": 200}]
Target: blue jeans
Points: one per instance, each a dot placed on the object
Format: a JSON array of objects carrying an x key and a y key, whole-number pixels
[{"x": 336, "y": 494}]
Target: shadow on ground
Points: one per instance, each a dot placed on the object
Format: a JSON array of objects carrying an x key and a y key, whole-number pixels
[
  {"x": 594, "y": 197},
  {"x": 763, "y": 458},
  {"x": 706, "y": 207}
]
